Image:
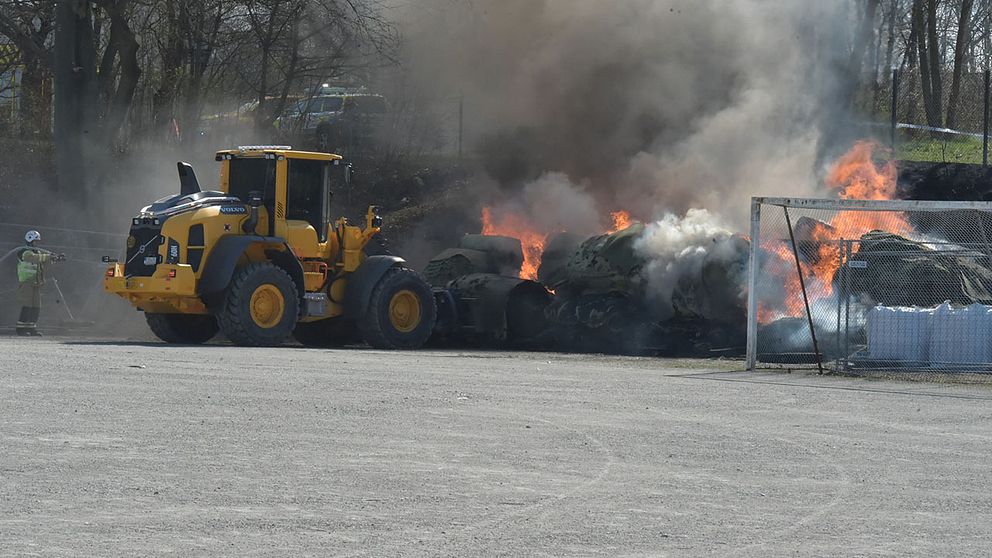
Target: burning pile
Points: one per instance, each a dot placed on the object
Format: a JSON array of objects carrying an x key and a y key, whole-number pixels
[
  {"x": 671, "y": 287},
  {"x": 532, "y": 238},
  {"x": 675, "y": 286},
  {"x": 854, "y": 176}
]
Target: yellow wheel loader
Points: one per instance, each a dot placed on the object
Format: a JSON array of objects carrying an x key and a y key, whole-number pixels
[{"x": 262, "y": 260}]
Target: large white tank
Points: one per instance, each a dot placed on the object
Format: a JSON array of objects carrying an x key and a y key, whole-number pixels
[
  {"x": 899, "y": 334},
  {"x": 961, "y": 336}
]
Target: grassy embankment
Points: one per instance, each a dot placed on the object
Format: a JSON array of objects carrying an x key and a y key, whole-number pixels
[{"x": 962, "y": 150}]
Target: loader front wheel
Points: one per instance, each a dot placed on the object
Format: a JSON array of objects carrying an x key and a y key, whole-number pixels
[
  {"x": 182, "y": 329},
  {"x": 401, "y": 312},
  {"x": 261, "y": 306}
]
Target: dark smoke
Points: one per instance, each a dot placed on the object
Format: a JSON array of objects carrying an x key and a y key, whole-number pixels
[
  {"x": 655, "y": 106},
  {"x": 660, "y": 107}
]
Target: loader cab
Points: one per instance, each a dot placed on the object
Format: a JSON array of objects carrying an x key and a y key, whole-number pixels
[{"x": 296, "y": 189}]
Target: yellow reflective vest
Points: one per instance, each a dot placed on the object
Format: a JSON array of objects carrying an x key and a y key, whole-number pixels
[{"x": 29, "y": 266}]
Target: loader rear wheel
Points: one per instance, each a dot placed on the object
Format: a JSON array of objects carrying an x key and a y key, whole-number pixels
[
  {"x": 261, "y": 306},
  {"x": 401, "y": 312},
  {"x": 185, "y": 329}
]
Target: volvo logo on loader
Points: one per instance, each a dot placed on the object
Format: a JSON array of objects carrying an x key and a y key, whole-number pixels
[{"x": 262, "y": 260}]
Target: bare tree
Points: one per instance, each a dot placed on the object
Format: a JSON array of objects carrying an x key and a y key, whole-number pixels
[
  {"x": 960, "y": 57},
  {"x": 928, "y": 48},
  {"x": 29, "y": 26}
]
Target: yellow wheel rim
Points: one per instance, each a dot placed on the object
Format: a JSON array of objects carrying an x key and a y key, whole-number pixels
[
  {"x": 267, "y": 306},
  {"x": 404, "y": 311}
]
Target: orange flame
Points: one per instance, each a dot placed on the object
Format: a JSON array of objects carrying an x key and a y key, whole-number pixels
[
  {"x": 621, "y": 220},
  {"x": 531, "y": 240},
  {"x": 853, "y": 176}
]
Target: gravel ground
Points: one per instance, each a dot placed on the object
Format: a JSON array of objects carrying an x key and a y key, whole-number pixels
[{"x": 128, "y": 449}]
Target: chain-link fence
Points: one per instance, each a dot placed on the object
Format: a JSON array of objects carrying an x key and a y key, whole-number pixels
[
  {"x": 893, "y": 287},
  {"x": 926, "y": 120}
]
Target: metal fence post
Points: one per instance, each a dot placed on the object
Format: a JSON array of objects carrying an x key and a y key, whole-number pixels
[
  {"x": 985, "y": 129},
  {"x": 802, "y": 286},
  {"x": 895, "y": 109},
  {"x": 752, "y": 285}
]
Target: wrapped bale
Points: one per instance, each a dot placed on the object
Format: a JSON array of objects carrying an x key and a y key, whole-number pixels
[
  {"x": 716, "y": 293},
  {"x": 810, "y": 234},
  {"x": 506, "y": 254},
  {"x": 499, "y": 255},
  {"x": 900, "y": 272},
  {"x": 606, "y": 263},
  {"x": 498, "y": 309},
  {"x": 454, "y": 263},
  {"x": 554, "y": 260}
]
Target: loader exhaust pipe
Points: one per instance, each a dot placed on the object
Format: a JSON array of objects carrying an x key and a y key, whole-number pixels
[{"x": 188, "y": 184}]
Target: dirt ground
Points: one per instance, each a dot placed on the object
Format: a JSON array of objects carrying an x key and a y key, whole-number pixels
[{"x": 124, "y": 449}]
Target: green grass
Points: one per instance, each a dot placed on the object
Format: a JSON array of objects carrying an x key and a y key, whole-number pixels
[{"x": 959, "y": 150}]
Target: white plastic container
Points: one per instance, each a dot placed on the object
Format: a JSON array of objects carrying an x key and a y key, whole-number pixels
[
  {"x": 899, "y": 334},
  {"x": 961, "y": 336}
]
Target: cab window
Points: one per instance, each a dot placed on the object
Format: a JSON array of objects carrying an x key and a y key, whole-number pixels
[
  {"x": 254, "y": 174},
  {"x": 309, "y": 182}
]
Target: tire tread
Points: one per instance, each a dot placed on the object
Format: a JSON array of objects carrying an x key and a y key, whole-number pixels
[
  {"x": 232, "y": 323},
  {"x": 372, "y": 328}
]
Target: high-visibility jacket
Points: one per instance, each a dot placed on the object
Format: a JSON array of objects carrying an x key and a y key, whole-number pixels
[{"x": 29, "y": 265}]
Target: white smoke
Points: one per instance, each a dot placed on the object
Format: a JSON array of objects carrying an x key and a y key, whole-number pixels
[{"x": 677, "y": 249}]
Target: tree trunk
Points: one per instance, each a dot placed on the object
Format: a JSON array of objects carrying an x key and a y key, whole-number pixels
[
  {"x": 76, "y": 99},
  {"x": 164, "y": 98},
  {"x": 936, "y": 79},
  {"x": 911, "y": 54},
  {"x": 863, "y": 38},
  {"x": 36, "y": 97},
  {"x": 960, "y": 52},
  {"x": 201, "y": 50},
  {"x": 890, "y": 45},
  {"x": 123, "y": 41},
  {"x": 925, "y": 49}
]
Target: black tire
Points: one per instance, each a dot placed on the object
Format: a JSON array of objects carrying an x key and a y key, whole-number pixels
[
  {"x": 184, "y": 329},
  {"x": 236, "y": 318},
  {"x": 326, "y": 334},
  {"x": 382, "y": 332}
]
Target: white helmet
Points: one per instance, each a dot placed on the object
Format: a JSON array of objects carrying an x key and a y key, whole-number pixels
[{"x": 32, "y": 236}]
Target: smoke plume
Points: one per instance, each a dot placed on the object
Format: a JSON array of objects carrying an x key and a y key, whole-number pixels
[
  {"x": 655, "y": 106},
  {"x": 678, "y": 111}
]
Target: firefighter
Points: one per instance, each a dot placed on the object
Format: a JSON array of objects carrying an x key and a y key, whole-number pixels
[{"x": 31, "y": 263}]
